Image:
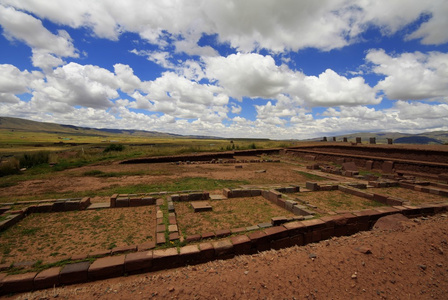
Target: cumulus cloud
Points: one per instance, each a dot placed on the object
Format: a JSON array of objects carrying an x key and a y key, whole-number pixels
[
  {"x": 77, "y": 85},
  {"x": 292, "y": 25},
  {"x": 411, "y": 76},
  {"x": 247, "y": 75},
  {"x": 257, "y": 76},
  {"x": 47, "y": 47}
]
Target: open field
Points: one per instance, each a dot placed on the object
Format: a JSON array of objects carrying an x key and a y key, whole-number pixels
[{"x": 227, "y": 214}]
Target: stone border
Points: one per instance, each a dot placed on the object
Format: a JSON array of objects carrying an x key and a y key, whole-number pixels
[{"x": 277, "y": 237}]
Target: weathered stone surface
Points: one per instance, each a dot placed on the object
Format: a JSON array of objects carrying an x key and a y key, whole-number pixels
[
  {"x": 276, "y": 232},
  {"x": 160, "y": 228},
  {"x": 74, "y": 273},
  {"x": 207, "y": 252},
  {"x": 223, "y": 249},
  {"x": 173, "y": 228},
  {"x": 174, "y": 236},
  {"x": 312, "y": 186},
  {"x": 107, "y": 267},
  {"x": 160, "y": 237},
  {"x": 193, "y": 238},
  {"x": 165, "y": 258},
  {"x": 124, "y": 249},
  {"x": 222, "y": 233},
  {"x": 278, "y": 220},
  {"x": 122, "y": 202},
  {"x": 146, "y": 246},
  {"x": 190, "y": 254},
  {"x": 294, "y": 228},
  {"x": 99, "y": 253},
  {"x": 18, "y": 283},
  {"x": 241, "y": 244},
  {"x": 138, "y": 262},
  {"x": 349, "y": 166},
  {"x": 387, "y": 167}
]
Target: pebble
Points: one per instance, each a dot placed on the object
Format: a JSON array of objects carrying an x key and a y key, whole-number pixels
[
  {"x": 246, "y": 272},
  {"x": 354, "y": 276},
  {"x": 423, "y": 267}
]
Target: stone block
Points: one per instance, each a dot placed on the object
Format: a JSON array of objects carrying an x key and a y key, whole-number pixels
[
  {"x": 312, "y": 186},
  {"x": 74, "y": 273},
  {"x": 380, "y": 198},
  {"x": 200, "y": 206},
  {"x": 281, "y": 243},
  {"x": 294, "y": 228},
  {"x": 223, "y": 249},
  {"x": 260, "y": 240},
  {"x": 160, "y": 238},
  {"x": 174, "y": 197},
  {"x": 222, "y": 233},
  {"x": 135, "y": 201},
  {"x": 349, "y": 166},
  {"x": 208, "y": 235},
  {"x": 72, "y": 205},
  {"x": 122, "y": 202},
  {"x": 241, "y": 244},
  {"x": 99, "y": 253},
  {"x": 84, "y": 203},
  {"x": 227, "y": 192},
  {"x": 107, "y": 267},
  {"x": 277, "y": 232},
  {"x": 298, "y": 240},
  {"x": 387, "y": 167},
  {"x": 174, "y": 236},
  {"x": 47, "y": 278},
  {"x": 146, "y": 246},
  {"x": 18, "y": 283},
  {"x": 173, "y": 228},
  {"x": 207, "y": 252},
  {"x": 113, "y": 200},
  {"x": 124, "y": 249},
  {"x": 237, "y": 230},
  {"x": 190, "y": 254},
  {"x": 165, "y": 258},
  {"x": 192, "y": 238},
  {"x": 160, "y": 228},
  {"x": 281, "y": 202},
  {"x": 58, "y": 206},
  {"x": 289, "y": 204},
  {"x": 138, "y": 262},
  {"x": 44, "y": 207},
  {"x": 278, "y": 220},
  {"x": 160, "y": 202}
]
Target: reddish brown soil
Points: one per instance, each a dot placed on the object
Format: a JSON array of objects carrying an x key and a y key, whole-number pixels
[
  {"x": 75, "y": 180},
  {"x": 415, "y": 197},
  {"x": 411, "y": 263},
  {"x": 227, "y": 214},
  {"x": 56, "y": 236}
]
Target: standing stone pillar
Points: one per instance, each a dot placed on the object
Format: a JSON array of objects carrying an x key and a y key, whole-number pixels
[
  {"x": 390, "y": 141},
  {"x": 345, "y": 140},
  {"x": 358, "y": 140},
  {"x": 372, "y": 140}
]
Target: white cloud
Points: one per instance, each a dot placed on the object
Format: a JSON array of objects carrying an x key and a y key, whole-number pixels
[
  {"x": 247, "y": 75},
  {"x": 332, "y": 89},
  {"x": 292, "y": 25},
  {"x": 14, "y": 81},
  {"x": 411, "y": 76},
  {"x": 47, "y": 47},
  {"x": 257, "y": 76},
  {"x": 74, "y": 84}
]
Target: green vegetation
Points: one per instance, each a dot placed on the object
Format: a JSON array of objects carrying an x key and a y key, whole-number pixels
[
  {"x": 114, "y": 147},
  {"x": 311, "y": 176}
]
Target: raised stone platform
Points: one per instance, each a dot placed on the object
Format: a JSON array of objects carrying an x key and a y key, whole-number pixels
[{"x": 200, "y": 206}]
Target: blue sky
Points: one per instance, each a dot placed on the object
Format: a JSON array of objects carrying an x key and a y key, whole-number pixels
[{"x": 255, "y": 68}]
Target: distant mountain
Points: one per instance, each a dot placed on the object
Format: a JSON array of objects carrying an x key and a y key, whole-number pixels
[
  {"x": 433, "y": 137},
  {"x": 33, "y": 126},
  {"x": 416, "y": 139}
]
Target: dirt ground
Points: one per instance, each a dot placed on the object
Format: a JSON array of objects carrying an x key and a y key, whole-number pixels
[
  {"x": 410, "y": 263},
  {"x": 74, "y": 181},
  {"x": 57, "y": 236},
  {"x": 227, "y": 214}
]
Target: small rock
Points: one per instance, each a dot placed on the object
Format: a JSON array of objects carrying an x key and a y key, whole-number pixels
[
  {"x": 354, "y": 276},
  {"x": 440, "y": 250},
  {"x": 312, "y": 255},
  {"x": 423, "y": 267},
  {"x": 246, "y": 272},
  {"x": 440, "y": 265},
  {"x": 364, "y": 250},
  {"x": 171, "y": 289}
]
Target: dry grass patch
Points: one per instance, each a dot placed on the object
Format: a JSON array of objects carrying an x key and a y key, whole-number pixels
[
  {"x": 415, "y": 197},
  {"x": 60, "y": 235},
  {"x": 336, "y": 200},
  {"x": 226, "y": 214}
]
